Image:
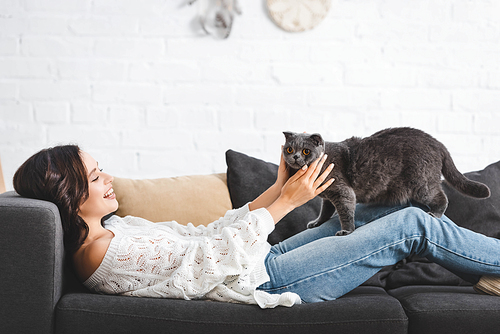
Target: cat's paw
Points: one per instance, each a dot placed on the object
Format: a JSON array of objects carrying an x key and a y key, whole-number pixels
[
  {"x": 435, "y": 215},
  {"x": 342, "y": 233},
  {"x": 313, "y": 224}
]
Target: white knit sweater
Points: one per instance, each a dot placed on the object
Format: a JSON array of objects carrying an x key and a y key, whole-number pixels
[{"x": 223, "y": 261}]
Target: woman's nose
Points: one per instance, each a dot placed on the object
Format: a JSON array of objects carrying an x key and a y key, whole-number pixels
[{"x": 109, "y": 178}]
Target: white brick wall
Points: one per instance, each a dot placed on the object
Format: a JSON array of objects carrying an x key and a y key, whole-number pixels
[{"x": 139, "y": 86}]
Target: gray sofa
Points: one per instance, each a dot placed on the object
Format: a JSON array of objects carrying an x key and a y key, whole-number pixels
[{"x": 41, "y": 295}]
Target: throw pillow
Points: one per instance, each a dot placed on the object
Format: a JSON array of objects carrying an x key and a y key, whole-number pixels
[
  {"x": 480, "y": 215},
  {"x": 197, "y": 199},
  {"x": 248, "y": 177}
]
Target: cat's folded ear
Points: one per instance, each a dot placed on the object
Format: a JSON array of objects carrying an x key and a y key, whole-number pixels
[
  {"x": 316, "y": 137},
  {"x": 288, "y": 134}
]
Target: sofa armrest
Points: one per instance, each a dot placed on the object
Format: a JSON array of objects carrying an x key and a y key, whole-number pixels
[{"x": 31, "y": 259}]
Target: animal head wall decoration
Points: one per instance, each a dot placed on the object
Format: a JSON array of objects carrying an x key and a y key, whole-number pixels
[{"x": 217, "y": 16}]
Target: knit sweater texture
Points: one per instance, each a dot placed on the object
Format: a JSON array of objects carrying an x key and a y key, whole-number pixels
[{"x": 222, "y": 261}]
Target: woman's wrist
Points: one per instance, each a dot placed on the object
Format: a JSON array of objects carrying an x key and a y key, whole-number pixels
[
  {"x": 279, "y": 209},
  {"x": 276, "y": 190},
  {"x": 266, "y": 198}
]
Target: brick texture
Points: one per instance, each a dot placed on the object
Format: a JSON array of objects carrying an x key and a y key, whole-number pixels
[{"x": 140, "y": 87}]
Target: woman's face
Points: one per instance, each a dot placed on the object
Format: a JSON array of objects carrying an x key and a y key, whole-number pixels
[{"x": 102, "y": 199}]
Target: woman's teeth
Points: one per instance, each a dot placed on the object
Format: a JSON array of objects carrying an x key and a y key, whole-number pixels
[{"x": 109, "y": 193}]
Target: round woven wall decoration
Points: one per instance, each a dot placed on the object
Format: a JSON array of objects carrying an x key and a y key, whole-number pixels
[{"x": 298, "y": 15}]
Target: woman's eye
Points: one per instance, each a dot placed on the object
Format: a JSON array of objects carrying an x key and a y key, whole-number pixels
[
  {"x": 97, "y": 177},
  {"x": 306, "y": 151},
  {"x": 289, "y": 150}
]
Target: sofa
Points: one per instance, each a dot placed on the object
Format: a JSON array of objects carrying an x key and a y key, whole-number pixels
[{"x": 41, "y": 295}]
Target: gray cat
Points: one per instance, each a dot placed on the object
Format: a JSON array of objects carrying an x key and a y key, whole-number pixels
[{"x": 391, "y": 166}]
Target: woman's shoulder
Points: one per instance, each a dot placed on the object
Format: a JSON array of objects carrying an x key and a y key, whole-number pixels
[{"x": 89, "y": 257}]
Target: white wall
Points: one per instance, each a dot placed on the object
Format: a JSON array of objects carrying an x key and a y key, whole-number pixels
[{"x": 137, "y": 85}]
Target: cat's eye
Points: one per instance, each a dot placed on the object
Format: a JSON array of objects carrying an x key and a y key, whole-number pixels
[
  {"x": 306, "y": 151},
  {"x": 289, "y": 150}
]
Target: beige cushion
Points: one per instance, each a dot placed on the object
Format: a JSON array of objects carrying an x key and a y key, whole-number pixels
[{"x": 197, "y": 199}]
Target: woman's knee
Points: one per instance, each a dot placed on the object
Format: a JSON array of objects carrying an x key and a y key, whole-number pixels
[{"x": 419, "y": 220}]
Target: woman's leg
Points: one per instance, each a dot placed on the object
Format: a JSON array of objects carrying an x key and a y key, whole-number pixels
[
  {"x": 365, "y": 213},
  {"x": 328, "y": 267}
]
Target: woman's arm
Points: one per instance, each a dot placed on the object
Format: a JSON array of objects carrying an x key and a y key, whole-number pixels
[
  {"x": 297, "y": 190},
  {"x": 272, "y": 193},
  {"x": 265, "y": 199}
]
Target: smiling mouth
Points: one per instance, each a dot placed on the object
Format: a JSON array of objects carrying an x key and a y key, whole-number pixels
[{"x": 109, "y": 194}]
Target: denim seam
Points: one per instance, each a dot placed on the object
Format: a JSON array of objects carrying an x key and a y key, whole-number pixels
[
  {"x": 461, "y": 255},
  {"x": 386, "y": 213}
]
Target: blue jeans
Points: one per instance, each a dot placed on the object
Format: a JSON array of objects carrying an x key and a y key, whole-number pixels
[{"x": 319, "y": 266}]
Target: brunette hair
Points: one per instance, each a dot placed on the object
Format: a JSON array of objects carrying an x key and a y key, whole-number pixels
[{"x": 58, "y": 175}]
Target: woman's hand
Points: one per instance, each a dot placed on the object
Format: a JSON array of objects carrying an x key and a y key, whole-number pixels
[
  {"x": 269, "y": 196},
  {"x": 283, "y": 172},
  {"x": 306, "y": 184}
]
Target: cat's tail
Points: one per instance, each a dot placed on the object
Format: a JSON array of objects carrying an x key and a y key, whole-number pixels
[{"x": 460, "y": 182}]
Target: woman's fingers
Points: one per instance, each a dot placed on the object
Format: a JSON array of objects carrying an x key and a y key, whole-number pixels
[
  {"x": 319, "y": 165},
  {"x": 307, "y": 183},
  {"x": 311, "y": 174},
  {"x": 310, "y": 170},
  {"x": 318, "y": 183},
  {"x": 320, "y": 179},
  {"x": 282, "y": 170},
  {"x": 324, "y": 187}
]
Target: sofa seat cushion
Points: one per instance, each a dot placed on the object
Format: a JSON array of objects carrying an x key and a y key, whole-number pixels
[
  {"x": 448, "y": 309},
  {"x": 366, "y": 309}
]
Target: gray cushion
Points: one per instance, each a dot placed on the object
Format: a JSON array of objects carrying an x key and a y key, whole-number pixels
[
  {"x": 365, "y": 307},
  {"x": 449, "y": 310},
  {"x": 480, "y": 215}
]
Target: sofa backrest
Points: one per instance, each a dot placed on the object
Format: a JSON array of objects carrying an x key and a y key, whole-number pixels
[{"x": 32, "y": 255}]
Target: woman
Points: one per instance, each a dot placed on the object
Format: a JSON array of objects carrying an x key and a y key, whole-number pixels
[{"x": 230, "y": 260}]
